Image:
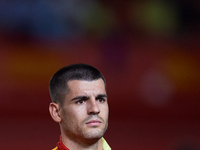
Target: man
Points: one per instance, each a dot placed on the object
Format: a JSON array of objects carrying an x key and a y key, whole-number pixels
[{"x": 80, "y": 106}]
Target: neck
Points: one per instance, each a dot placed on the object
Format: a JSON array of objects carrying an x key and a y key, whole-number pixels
[{"x": 82, "y": 144}]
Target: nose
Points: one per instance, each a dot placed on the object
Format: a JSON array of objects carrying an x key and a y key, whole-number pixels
[{"x": 93, "y": 107}]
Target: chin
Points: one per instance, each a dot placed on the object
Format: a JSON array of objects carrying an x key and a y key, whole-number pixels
[{"x": 94, "y": 134}]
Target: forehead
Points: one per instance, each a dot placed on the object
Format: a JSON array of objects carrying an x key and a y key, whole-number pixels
[{"x": 82, "y": 85}]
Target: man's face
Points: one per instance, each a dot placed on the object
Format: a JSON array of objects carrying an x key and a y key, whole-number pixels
[{"x": 84, "y": 114}]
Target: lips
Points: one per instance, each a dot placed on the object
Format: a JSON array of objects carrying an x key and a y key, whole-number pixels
[{"x": 94, "y": 122}]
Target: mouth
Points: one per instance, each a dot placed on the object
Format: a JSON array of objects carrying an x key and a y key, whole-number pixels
[{"x": 94, "y": 123}]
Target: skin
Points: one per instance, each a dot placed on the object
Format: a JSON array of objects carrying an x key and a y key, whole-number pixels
[{"x": 83, "y": 118}]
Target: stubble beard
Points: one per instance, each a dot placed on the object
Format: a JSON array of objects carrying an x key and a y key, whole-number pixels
[
  {"x": 95, "y": 132},
  {"x": 83, "y": 132},
  {"x": 87, "y": 136}
]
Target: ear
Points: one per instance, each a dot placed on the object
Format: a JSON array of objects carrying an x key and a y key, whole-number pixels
[{"x": 54, "y": 110}]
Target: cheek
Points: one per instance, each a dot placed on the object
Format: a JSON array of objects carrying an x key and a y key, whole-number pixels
[
  {"x": 75, "y": 116},
  {"x": 69, "y": 121},
  {"x": 105, "y": 111}
]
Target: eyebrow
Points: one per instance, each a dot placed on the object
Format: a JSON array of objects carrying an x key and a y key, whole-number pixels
[
  {"x": 79, "y": 97},
  {"x": 87, "y": 97},
  {"x": 101, "y": 96}
]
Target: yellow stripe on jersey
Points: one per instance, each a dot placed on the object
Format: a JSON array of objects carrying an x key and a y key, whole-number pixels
[
  {"x": 105, "y": 145},
  {"x": 56, "y": 148}
]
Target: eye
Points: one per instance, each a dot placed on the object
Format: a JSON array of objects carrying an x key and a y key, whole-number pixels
[
  {"x": 80, "y": 102},
  {"x": 101, "y": 100}
]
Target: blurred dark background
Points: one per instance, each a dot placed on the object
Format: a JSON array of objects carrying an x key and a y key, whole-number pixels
[{"x": 148, "y": 51}]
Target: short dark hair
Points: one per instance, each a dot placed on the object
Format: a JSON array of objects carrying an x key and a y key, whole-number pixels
[{"x": 58, "y": 83}]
